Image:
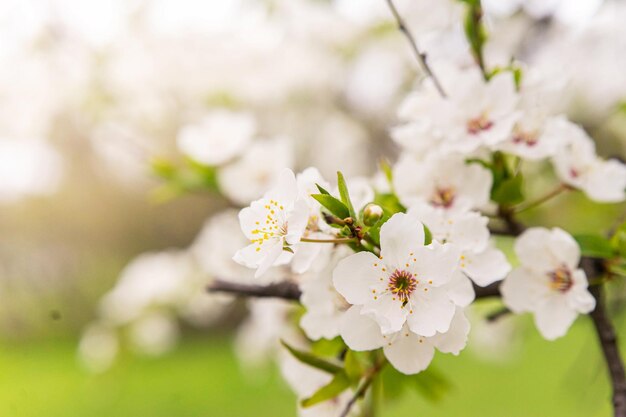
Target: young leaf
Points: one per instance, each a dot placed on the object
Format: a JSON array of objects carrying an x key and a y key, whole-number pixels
[
  {"x": 333, "y": 205},
  {"x": 345, "y": 196},
  {"x": 509, "y": 191},
  {"x": 595, "y": 246},
  {"x": 322, "y": 189},
  {"x": 312, "y": 360},
  {"x": 336, "y": 386},
  {"x": 428, "y": 236}
]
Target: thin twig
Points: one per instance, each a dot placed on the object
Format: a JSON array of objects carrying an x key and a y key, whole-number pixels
[
  {"x": 421, "y": 57},
  {"x": 549, "y": 195},
  {"x": 362, "y": 390},
  {"x": 336, "y": 240}
]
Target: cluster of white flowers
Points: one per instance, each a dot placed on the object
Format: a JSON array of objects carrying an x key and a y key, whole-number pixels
[{"x": 389, "y": 263}]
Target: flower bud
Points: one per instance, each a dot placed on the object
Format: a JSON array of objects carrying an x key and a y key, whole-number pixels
[{"x": 371, "y": 214}]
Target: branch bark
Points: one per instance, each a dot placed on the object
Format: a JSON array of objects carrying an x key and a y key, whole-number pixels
[
  {"x": 286, "y": 290},
  {"x": 608, "y": 343}
]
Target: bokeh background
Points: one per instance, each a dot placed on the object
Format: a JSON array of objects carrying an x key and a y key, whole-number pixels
[{"x": 93, "y": 94}]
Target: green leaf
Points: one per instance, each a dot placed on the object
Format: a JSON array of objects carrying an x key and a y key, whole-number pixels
[
  {"x": 328, "y": 348},
  {"x": 336, "y": 386},
  {"x": 595, "y": 246},
  {"x": 428, "y": 236},
  {"x": 352, "y": 366},
  {"x": 333, "y": 205},
  {"x": 387, "y": 171},
  {"x": 509, "y": 191},
  {"x": 345, "y": 196},
  {"x": 312, "y": 360},
  {"x": 618, "y": 240},
  {"x": 390, "y": 203},
  {"x": 322, "y": 189}
]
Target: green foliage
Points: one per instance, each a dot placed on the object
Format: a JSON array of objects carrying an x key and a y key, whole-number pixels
[
  {"x": 618, "y": 240},
  {"x": 190, "y": 176},
  {"x": 596, "y": 246},
  {"x": 333, "y": 205},
  {"x": 475, "y": 31},
  {"x": 509, "y": 191},
  {"x": 328, "y": 347},
  {"x": 312, "y": 360},
  {"x": 353, "y": 366},
  {"x": 507, "y": 187},
  {"x": 428, "y": 236},
  {"x": 336, "y": 386},
  {"x": 345, "y": 195}
]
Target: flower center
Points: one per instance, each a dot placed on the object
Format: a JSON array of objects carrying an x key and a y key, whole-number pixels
[
  {"x": 561, "y": 279},
  {"x": 443, "y": 197},
  {"x": 478, "y": 124},
  {"x": 525, "y": 138},
  {"x": 402, "y": 284}
]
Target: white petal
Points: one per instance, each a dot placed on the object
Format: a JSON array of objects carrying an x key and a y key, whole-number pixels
[
  {"x": 460, "y": 289},
  {"x": 579, "y": 298},
  {"x": 400, "y": 236},
  {"x": 545, "y": 250},
  {"x": 355, "y": 275},
  {"x": 285, "y": 189},
  {"x": 436, "y": 263},
  {"x": 554, "y": 317},
  {"x": 486, "y": 267},
  {"x": 360, "y": 332},
  {"x": 407, "y": 354},
  {"x": 273, "y": 253},
  {"x": 431, "y": 313},
  {"x": 388, "y": 312},
  {"x": 297, "y": 221},
  {"x": 606, "y": 182},
  {"x": 469, "y": 231},
  {"x": 454, "y": 340},
  {"x": 523, "y": 289}
]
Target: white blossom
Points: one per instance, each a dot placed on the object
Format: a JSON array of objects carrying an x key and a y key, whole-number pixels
[
  {"x": 218, "y": 137},
  {"x": 274, "y": 224},
  {"x": 444, "y": 181},
  {"x": 407, "y": 282},
  {"x": 247, "y": 178},
  {"x": 577, "y": 165},
  {"x": 467, "y": 231},
  {"x": 548, "y": 282},
  {"x": 408, "y": 352}
]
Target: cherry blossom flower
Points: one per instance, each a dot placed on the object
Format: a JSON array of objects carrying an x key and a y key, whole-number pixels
[
  {"x": 577, "y": 165},
  {"x": 406, "y": 284},
  {"x": 273, "y": 224},
  {"x": 467, "y": 231},
  {"x": 408, "y": 352},
  {"x": 218, "y": 137},
  {"x": 247, "y": 178},
  {"x": 475, "y": 113},
  {"x": 548, "y": 283},
  {"x": 444, "y": 181}
]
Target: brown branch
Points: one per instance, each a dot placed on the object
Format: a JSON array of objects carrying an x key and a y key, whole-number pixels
[
  {"x": 608, "y": 342},
  {"x": 286, "y": 290},
  {"x": 421, "y": 57}
]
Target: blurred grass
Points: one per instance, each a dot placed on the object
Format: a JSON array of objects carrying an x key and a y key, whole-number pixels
[{"x": 202, "y": 378}]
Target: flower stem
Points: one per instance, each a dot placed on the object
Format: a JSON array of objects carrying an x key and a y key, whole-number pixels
[
  {"x": 547, "y": 196},
  {"x": 337, "y": 240}
]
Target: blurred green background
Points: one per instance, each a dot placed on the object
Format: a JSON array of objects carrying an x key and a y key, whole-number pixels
[{"x": 202, "y": 378}]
